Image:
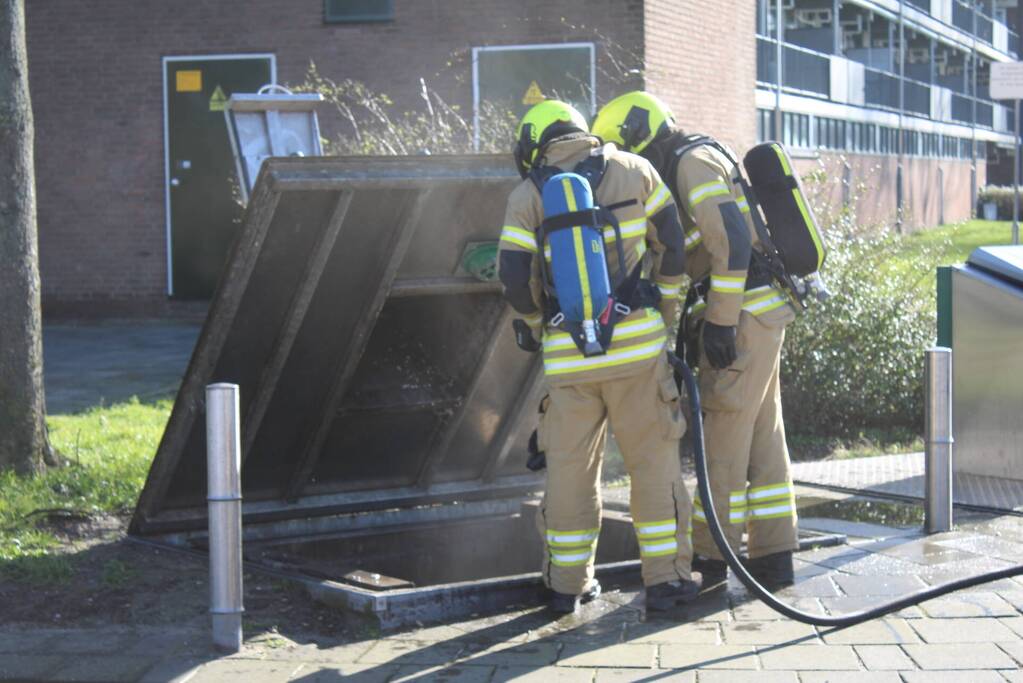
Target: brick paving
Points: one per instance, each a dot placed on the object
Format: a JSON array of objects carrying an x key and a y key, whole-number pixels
[
  {"x": 102, "y": 363},
  {"x": 974, "y": 635},
  {"x": 903, "y": 475}
]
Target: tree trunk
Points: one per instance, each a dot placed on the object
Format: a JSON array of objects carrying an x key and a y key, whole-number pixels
[{"x": 24, "y": 445}]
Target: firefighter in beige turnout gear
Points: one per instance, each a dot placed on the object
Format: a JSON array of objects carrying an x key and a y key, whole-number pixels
[
  {"x": 738, "y": 315},
  {"x": 631, "y": 386}
]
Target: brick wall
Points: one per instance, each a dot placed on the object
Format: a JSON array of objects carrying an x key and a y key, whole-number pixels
[
  {"x": 701, "y": 58},
  {"x": 96, "y": 79},
  {"x": 872, "y": 187}
]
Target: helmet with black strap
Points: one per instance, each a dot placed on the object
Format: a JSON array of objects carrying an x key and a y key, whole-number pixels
[
  {"x": 543, "y": 123},
  {"x": 634, "y": 121}
]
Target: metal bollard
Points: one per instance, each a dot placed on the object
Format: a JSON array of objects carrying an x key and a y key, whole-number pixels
[
  {"x": 938, "y": 435},
  {"x": 223, "y": 466}
]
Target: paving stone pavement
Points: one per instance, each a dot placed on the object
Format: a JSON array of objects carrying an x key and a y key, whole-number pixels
[
  {"x": 974, "y": 636},
  {"x": 90, "y": 364}
]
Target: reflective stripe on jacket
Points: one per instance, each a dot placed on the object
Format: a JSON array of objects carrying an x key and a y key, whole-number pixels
[{"x": 719, "y": 234}]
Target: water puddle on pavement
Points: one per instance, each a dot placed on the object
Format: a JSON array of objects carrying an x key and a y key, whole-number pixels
[{"x": 864, "y": 510}]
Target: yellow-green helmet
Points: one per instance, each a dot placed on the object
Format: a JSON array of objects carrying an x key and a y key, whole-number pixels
[
  {"x": 633, "y": 120},
  {"x": 541, "y": 124}
]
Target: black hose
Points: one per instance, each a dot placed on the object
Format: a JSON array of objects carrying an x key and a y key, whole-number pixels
[{"x": 765, "y": 596}]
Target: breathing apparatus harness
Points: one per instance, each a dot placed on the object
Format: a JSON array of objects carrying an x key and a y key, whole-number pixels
[
  {"x": 766, "y": 265},
  {"x": 629, "y": 290}
]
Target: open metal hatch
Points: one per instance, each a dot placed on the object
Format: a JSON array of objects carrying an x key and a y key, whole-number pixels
[{"x": 375, "y": 374}]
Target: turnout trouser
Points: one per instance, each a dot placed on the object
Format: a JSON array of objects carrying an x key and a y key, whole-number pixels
[
  {"x": 644, "y": 414},
  {"x": 747, "y": 457}
]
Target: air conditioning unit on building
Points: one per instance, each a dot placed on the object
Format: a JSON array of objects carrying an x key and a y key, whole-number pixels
[
  {"x": 852, "y": 24},
  {"x": 814, "y": 18},
  {"x": 919, "y": 55},
  {"x": 853, "y": 41}
]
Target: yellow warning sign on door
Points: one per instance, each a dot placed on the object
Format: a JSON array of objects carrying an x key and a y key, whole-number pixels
[
  {"x": 218, "y": 99},
  {"x": 188, "y": 81},
  {"x": 533, "y": 95}
]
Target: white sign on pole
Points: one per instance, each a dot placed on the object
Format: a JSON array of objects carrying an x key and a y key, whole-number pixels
[{"x": 1007, "y": 80}]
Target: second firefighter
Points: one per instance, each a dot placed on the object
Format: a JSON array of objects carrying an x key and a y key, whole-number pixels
[{"x": 736, "y": 318}]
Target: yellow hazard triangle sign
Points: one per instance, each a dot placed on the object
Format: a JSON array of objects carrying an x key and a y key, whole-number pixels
[
  {"x": 533, "y": 95},
  {"x": 218, "y": 99}
]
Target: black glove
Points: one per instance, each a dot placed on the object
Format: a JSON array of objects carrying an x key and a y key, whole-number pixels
[
  {"x": 537, "y": 458},
  {"x": 719, "y": 345},
  {"x": 524, "y": 336}
]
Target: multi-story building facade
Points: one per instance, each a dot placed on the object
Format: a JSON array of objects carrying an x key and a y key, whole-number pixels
[
  {"x": 890, "y": 97},
  {"x": 113, "y": 83}
]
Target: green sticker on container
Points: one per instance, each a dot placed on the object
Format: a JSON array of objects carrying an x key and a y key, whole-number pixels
[{"x": 480, "y": 260}]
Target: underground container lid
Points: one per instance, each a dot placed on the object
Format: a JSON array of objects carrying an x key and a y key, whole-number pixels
[{"x": 374, "y": 372}]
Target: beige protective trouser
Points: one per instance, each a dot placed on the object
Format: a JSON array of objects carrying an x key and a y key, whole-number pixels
[
  {"x": 647, "y": 422},
  {"x": 747, "y": 457}
]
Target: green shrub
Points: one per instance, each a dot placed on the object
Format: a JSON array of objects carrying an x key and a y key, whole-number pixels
[
  {"x": 1002, "y": 196},
  {"x": 853, "y": 364},
  {"x": 364, "y": 121},
  {"x": 367, "y": 122}
]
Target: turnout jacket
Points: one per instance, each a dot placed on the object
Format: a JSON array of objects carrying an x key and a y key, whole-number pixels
[
  {"x": 651, "y": 234},
  {"x": 719, "y": 237}
]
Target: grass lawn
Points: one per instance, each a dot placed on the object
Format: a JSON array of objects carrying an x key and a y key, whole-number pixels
[
  {"x": 959, "y": 239},
  {"x": 108, "y": 451},
  {"x": 949, "y": 244}
]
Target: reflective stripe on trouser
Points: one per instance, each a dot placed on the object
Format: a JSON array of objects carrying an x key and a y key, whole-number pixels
[
  {"x": 747, "y": 456},
  {"x": 571, "y": 548},
  {"x": 737, "y": 508},
  {"x": 643, "y": 411}
]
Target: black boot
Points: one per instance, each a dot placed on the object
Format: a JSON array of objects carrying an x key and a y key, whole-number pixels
[
  {"x": 563, "y": 603},
  {"x": 665, "y": 596},
  {"x": 715, "y": 572},
  {"x": 773, "y": 571}
]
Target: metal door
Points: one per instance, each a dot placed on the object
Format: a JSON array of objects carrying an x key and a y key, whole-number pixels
[
  {"x": 513, "y": 78},
  {"x": 202, "y": 211}
]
